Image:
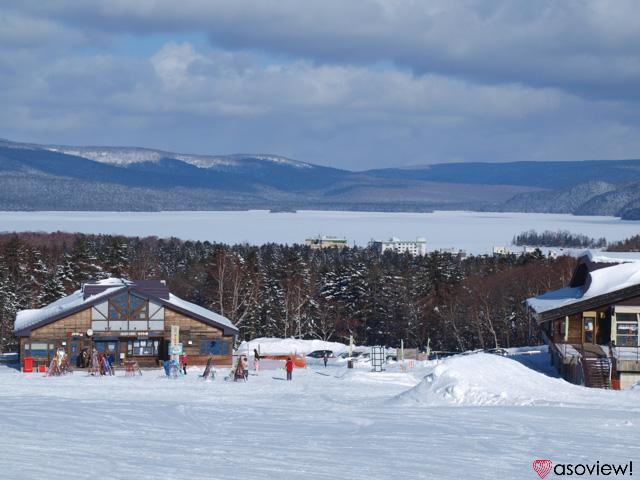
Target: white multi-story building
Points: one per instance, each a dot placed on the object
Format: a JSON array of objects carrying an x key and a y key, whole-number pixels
[{"x": 415, "y": 247}]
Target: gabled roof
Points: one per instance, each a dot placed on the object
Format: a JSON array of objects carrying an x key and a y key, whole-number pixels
[
  {"x": 599, "y": 279},
  {"x": 93, "y": 293}
]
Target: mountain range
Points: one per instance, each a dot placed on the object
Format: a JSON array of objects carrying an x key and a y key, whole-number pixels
[{"x": 54, "y": 177}]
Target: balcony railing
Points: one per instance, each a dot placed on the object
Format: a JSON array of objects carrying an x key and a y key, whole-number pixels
[{"x": 625, "y": 352}]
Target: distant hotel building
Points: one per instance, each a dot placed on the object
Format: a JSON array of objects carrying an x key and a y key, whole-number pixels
[
  {"x": 451, "y": 251},
  {"x": 326, "y": 242},
  {"x": 503, "y": 251},
  {"x": 417, "y": 247}
]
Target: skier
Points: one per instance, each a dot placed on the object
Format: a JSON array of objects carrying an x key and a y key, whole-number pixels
[
  {"x": 239, "y": 373},
  {"x": 326, "y": 357},
  {"x": 110, "y": 362},
  {"x": 256, "y": 361},
  {"x": 289, "y": 368},
  {"x": 184, "y": 364},
  {"x": 85, "y": 358}
]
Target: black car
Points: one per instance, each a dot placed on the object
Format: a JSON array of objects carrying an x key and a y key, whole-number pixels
[{"x": 321, "y": 354}]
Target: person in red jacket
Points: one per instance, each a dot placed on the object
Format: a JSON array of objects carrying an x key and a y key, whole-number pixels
[
  {"x": 184, "y": 364},
  {"x": 289, "y": 368}
]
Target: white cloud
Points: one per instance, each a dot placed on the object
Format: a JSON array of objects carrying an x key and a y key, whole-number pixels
[
  {"x": 482, "y": 80},
  {"x": 172, "y": 63}
]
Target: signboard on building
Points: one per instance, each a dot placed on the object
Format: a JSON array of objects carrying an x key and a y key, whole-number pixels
[
  {"x": 175, "y": 335},
  {"x": 176, "y": 349}
]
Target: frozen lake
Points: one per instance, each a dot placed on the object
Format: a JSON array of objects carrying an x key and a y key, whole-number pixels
[{"x": 474, "y": 232}]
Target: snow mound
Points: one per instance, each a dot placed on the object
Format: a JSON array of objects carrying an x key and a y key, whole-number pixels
[
  {"x": 280, "y": 346},
  {"x": 486, "y": 380},
  {"x": 368, "y": 377}
]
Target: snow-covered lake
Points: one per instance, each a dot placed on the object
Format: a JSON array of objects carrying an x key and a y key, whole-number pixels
[
  {"x": 479, "y": 416},
  {"x": 474, "y": 232}
]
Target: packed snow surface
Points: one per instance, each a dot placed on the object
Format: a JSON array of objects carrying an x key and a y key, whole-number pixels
[{"x": 474, "y": 416}]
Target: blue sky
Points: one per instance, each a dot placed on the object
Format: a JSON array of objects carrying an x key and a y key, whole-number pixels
[{"x": 357, "y": 85}]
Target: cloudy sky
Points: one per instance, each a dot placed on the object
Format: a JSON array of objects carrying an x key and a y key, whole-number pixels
[{"x": 352, "y": 84}]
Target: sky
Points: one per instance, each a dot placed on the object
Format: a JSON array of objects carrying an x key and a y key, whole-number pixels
[{"x": 357, "y": 85}]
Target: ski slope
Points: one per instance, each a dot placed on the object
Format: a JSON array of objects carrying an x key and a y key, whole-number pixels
[{"x": 474, "y": 416}]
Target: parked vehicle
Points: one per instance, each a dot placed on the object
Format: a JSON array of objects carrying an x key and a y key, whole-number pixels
[
  {"x": 321, "y": 354},
  {"x": 435, "y": 355},
  {"x": 498, "y": 351},
  {"x": 354, "y": 355}
]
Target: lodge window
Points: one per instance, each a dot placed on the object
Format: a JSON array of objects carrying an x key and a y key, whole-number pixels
[
  {"x": 127, "y": 312},
  {"x": 143, "y": 347},
  {"x": 128, "y": 307},
  {"x": 39, "y": 349},
  {"x": 214, "y": 348},
  {"x": 627, "y": 329}
]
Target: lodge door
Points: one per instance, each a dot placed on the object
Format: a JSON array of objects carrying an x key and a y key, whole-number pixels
[
  {"x": 108, "y": 348},
  {"x": 74, "y": 351},
  {"x": 589, "y": 330}
]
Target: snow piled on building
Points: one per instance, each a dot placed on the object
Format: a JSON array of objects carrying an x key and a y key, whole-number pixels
[{"x": 624, "y": 272}]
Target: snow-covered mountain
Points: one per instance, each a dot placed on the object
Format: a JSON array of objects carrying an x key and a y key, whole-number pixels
[
  {"x": 57, "y": 177},
  {"x": 119, "y": 178}
]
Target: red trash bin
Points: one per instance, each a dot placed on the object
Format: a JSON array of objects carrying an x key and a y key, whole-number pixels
[{"x": 28, "y": 365}]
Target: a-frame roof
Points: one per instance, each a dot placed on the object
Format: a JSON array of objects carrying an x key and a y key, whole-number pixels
[{"x": 93, "y": 293}]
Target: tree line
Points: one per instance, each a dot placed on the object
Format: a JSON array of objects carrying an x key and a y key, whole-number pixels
[
  {"x": 561, "y": 238},
  {"x": 277, "y": 290}
]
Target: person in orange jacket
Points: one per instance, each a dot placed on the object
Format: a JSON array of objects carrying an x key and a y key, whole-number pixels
[{"x": 289, "y": 368}]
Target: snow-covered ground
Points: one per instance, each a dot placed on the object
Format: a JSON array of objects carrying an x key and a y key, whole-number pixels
[
  {"x": 473, "y": 416},
  {"x": 257, "y": 227}
]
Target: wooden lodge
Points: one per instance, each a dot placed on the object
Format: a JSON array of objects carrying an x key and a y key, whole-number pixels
[
  {"x": 124, "y": 320},
  {"x": 591, "y": 326}
]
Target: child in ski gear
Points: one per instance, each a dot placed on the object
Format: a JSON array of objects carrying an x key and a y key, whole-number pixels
[
  {"x": 184, "y": 364},
  {"x": 289, "y": 368},
  {"x": 245, "y": 363},
  {"x": 240, "y": 371}
]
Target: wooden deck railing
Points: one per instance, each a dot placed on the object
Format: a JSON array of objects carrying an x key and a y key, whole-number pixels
[{"x": 585, "y": 369}]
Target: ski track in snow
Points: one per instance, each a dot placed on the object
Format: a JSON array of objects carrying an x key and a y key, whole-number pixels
[{"x": 327, "y": 423}]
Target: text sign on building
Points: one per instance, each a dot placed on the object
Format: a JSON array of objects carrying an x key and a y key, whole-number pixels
[
  {"x": 176, "y": 350},
  {"x": 175, "y": 335}
]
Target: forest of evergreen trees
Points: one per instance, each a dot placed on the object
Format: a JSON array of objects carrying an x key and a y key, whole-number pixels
[
  {"x": 561, "y": 238},
  {"x": 281, "y": 291}
]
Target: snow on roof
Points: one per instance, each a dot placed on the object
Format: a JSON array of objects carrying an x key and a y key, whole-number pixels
[
  {"x": 198, "y": 310},
  {"x": 603, "y": 281},
  {"x": 596, "y": 256},
  {"x": 27, "y": 318},
  {"x": 555, "y": 299}
]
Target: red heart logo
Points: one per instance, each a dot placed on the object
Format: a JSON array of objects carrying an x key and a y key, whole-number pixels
[{"x": 542, "y": 467}]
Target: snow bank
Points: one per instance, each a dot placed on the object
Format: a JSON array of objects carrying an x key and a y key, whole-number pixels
[
  {"x": 279, "y": 346},
  {"x": 485, "y": 379}
]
